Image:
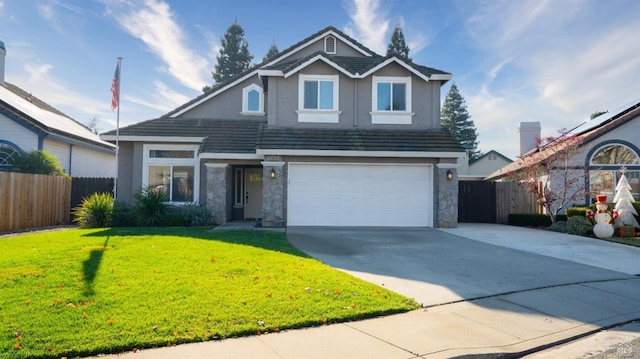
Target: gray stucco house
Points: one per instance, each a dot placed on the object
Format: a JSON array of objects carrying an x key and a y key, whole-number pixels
[{"x": 326, "y": 133}]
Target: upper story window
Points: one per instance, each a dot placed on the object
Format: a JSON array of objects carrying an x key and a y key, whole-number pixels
[
  {"x": 330, "y": 44},
  {"x": 172, "y": 170},
  {"x": 318, "y": 98},
  {"x": 391, "y": 100},
  {"x": 252, "y": 101}
]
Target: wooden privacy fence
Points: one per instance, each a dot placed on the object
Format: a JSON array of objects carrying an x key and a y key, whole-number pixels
[
  {"x": 492, "y": 202},
  {"x": 33, "y": 201}
]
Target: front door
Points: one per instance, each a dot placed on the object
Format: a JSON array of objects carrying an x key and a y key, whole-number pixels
[{"x": 253, "y": 193}]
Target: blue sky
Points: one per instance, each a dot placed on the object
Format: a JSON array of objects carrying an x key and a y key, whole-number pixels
[{"x": 554, "y": 61}]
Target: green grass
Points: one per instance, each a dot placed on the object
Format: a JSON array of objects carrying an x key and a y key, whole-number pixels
[
  {"x": 84, "y": 292},
  {"x": 632, "y": 241}
]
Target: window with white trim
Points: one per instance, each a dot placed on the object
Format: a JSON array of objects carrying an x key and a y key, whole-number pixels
[
  {"x": 330, "y": 44},
  {"x": 318, "y": 98},
  {"x": 172, "y": 170},
  {"x": 604, "y": 170},
  {"x": 391, "y": 100},
  {"x": 252, "y": 101},
  {"x": 8, "y": 153}
]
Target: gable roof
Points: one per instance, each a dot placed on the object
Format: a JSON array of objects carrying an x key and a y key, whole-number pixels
[
  {"x": 586, "y": 132},
  {"x": 351, "y": 66},
  {"x": 494, "y": 152},
  {"x": 40, "y": 116}
]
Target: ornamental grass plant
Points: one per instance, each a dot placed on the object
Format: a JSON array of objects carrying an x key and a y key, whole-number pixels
[{"x": 83, "y": 292}]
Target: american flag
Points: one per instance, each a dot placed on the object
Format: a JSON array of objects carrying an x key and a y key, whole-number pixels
[{"x": 115, "y": 88}]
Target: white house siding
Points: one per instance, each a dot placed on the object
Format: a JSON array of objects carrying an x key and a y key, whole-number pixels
[
  {"x": 60, "y": 150},
  {"x": 17, "y": 134},
  {"x": 90, "y": 163}
]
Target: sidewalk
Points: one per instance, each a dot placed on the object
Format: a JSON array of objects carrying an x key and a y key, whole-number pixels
[{"x": 505, "y": 324}]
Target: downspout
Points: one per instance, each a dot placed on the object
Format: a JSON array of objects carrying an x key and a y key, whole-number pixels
[
  {"x": 355, "y": 102},
  {"x": 70, "y": 158}
]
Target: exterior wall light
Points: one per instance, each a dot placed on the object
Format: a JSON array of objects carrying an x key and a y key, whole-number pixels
[
  {"x": 449, "y": 175},
  {"x": 272, "y": 174}
]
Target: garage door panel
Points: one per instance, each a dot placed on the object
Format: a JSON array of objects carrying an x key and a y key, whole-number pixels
[{"x": 360, "y": 195}]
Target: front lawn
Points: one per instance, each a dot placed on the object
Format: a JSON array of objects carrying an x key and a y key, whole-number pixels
[
  {"x": 631, "y": 241},
  {"x": 89, "y": 291}
]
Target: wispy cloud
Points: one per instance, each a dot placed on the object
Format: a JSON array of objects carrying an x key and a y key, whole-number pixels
[
  {"x": 39, "y": 79},
  {"x": 368, "y": 24},
  {"x": 562, "y": 59},
  {"x": 164, "y": 98},
  {"x": 153, "y": 22}
]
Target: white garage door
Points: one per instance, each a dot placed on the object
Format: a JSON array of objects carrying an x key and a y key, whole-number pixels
[{"x": 360, "y": 195}]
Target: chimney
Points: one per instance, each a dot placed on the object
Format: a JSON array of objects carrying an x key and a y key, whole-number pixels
[
  {"x": 529, "y": 133},
  {"x": 3, "y": 52}
]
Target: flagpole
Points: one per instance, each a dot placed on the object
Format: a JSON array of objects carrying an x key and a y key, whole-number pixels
[{"x": 115, "y": 181}]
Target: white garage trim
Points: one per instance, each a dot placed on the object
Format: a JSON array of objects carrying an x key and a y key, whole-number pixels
[{"x": 360, "y": 195}]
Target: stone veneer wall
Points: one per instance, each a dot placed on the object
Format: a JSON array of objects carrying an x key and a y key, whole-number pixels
[
  {"x": 446, "y": 201},
  {"x": 217, "y": 181},
  {"x": 273, "y": 194}
]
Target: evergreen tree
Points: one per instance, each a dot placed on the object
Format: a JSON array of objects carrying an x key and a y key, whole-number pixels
[
  {"x": 234, "y": 57},
  {"x": 397, "y": 44},
  {"x": 456, "y": 119},
  {"x": 273, "y": 51}
]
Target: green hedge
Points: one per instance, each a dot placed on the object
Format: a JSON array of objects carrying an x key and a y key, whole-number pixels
[{"x": 577, "y": 211}]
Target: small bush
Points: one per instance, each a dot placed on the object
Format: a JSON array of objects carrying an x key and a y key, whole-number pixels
[
  {"x": 38, "y": 162},
  {"x": 577, "y": 211},
  {"x": 579, "y": 225},
  {"x": 529, "y": 220},
  {"x": 560, "y": 226},
  {"x": 122, "y": 214},
  {"x": 150, "y": 208},
  {"x": 94, "y": 211},
  {"x": 195, "y": 215}
]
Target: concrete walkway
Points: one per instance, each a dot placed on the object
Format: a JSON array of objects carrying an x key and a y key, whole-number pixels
[{"x": 489, "y": 291}]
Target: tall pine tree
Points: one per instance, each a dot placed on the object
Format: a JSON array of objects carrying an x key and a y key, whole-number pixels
[
  {"x": 273, "y": 51},
  {"x": 234, "y": 57},
  {"x": 456, "y": 119},
  {"x": 397, "y": 44}
]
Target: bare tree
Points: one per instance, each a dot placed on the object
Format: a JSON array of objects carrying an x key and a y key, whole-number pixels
[{"x": 550, "y": 174}]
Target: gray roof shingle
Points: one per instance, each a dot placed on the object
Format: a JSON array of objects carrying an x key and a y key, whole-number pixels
[{"x": 434, "y": 140}]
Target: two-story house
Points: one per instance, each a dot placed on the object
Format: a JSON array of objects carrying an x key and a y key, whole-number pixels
[{"x": 326, "y": 133}]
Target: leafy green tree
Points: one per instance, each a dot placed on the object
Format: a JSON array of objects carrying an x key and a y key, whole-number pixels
[
  {"x": 38, "y": 162},
  {"x": 456, "y": 119},
  {"x": 397, "y": 44},
  {"x": 234, "y": 57},
  {"x": 273, "y": 51}
]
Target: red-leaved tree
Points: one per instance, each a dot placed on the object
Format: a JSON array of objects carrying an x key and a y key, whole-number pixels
[{"x": 549, "y": 172}]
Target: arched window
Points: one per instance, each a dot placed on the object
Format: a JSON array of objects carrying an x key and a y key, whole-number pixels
[
  {"x": 604, "y": 169},
  {"x": 252, "y": 101},
  {"x": 8, "y": 152}
]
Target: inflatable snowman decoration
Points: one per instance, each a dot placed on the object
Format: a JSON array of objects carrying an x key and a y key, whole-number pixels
[{"x": 603, "y": 218}]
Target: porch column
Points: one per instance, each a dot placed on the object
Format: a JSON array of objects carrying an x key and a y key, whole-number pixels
[
  {"x": 273, "y": 194},
  {"x": 217, "y": 188},
  {"x": 446, "y": 196}
]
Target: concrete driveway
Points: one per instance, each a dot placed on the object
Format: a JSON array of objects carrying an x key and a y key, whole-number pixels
[{"x": 438, "y": 266}]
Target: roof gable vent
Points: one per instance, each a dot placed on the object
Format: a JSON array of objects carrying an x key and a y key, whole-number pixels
[{"x": 330, "y": 44}]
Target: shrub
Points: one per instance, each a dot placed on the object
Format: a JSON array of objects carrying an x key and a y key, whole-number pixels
[
  {"x": 122, "y": 214},
  {"x": 195, "y": 215},
  {"x": 579, "y": 225},
  {"x": 38, "y": 162},
  {"x": 577, "y": 211},
  {"x": 94, "y": 211},
  {"x": 150, "y": 208},
  {"x": 560, "y": 226},
  {"x": 529, "y": 220}
]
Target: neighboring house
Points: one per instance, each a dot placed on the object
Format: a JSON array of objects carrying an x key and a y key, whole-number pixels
[
  {"x": 327, "y": 133},
  {"x": 481, "y": 167},
  {"x": 28, "y": 124},
  {"x": 609, "y": 142}
]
